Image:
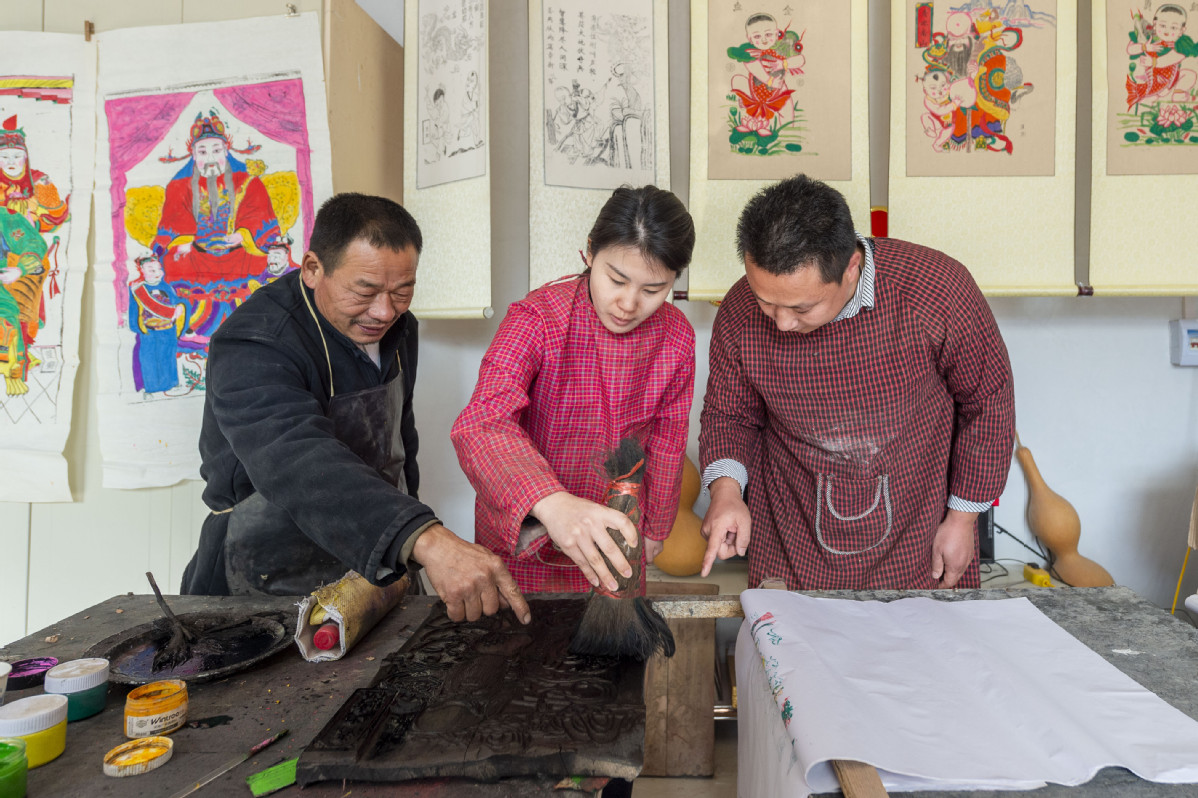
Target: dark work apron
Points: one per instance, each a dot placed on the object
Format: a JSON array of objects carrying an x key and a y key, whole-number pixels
[{"x": 265, "y": 552}]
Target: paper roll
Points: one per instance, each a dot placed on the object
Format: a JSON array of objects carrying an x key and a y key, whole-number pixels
[{"x": 354, "y": 604}]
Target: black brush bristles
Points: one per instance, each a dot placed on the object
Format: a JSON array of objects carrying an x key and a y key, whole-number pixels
[{"x": 624, "y": 624}]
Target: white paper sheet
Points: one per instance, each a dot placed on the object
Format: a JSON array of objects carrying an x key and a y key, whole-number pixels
[
  {"x": 957, "y": 695},
  {"x": 47, "y": 90},
  {"x": 264, "y": 80}
]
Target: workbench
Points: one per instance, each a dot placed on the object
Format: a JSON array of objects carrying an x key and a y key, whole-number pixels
[
  {"x": 232, "y": 715},
  {"x": 286, "y": 692}
]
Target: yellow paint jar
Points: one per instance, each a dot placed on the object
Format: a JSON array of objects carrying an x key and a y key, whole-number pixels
[
  {"x": 41, "y": 721},
  {"x": 156, "y": 708}
]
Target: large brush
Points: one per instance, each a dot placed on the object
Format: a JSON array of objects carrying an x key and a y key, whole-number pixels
[{"x": 621, "y": 623}]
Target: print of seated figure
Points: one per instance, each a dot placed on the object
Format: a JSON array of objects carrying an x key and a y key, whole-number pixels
[
  {"x": 1157, "y": 53},
  {"x": 157, "y": 316},
  {"x": 771, "y": 56}
]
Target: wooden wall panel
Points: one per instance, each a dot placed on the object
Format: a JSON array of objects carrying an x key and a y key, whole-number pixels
[{"x": 364, "y": 75}]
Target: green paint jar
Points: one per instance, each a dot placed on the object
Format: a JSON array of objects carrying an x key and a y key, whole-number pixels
[
  {"x": 14, "y": 768},
  {"x": 85, "y": 684}
]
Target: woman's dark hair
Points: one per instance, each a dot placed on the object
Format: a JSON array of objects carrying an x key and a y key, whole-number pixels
[
  {"x": 798, "y": 223},
  {"x": 650, "y": 219},
  {"x": 344, "y": 218}
]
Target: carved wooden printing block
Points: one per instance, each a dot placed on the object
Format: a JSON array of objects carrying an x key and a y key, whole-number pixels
[{"x": 488, "y": 700}]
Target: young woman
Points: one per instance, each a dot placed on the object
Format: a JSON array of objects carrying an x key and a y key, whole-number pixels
[{"x": 576, "y": 366}]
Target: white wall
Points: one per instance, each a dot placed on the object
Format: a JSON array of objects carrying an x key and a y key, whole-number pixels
[{"x": 1111, "y": 423}]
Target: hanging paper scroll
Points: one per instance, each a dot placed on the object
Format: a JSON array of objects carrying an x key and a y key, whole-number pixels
[
  {"x": 212, "y": 157},
  {"x": 1145, "y": 166},
  {"x": 47, "y": 90},
  {"x": 598, "y": 83},
  {"x": 982, "y": 117},
  {"x": 451, "y": 102},
  {"x": 447, "y": 152},
  {"x": 981, "y": 93},
  {"x": 802, "y": 68}
]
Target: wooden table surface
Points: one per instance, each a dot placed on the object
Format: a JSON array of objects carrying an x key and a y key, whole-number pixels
[{"x": 282, "y": 692}]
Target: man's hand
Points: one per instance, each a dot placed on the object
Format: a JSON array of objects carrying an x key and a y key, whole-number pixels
[
  {"x": 726, "y": 524},
  {"x": 10, "y": 274},
  {"x": 952, "y": 547},
  {"x": 579, "y": 529},
  {"x": 469, "y": 578}
]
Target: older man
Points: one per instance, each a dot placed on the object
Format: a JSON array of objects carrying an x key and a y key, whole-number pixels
[
  {"x": 860, "y": 397},
  {"x": 309, "y": 441}
]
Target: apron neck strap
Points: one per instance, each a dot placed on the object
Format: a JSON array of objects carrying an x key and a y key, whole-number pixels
[{"x": 323, "y": 342}]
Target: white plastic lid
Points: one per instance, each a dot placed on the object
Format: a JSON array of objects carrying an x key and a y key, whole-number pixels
[
  {"x": 32, "y": 715},
  {"x": 77, "y": 675}
]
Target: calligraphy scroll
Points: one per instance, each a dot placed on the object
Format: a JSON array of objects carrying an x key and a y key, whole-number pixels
[{"x": 598, "y": 118}]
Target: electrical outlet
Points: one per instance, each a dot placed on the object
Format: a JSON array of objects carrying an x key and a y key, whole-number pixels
[{"x": 1183, "y": 342}]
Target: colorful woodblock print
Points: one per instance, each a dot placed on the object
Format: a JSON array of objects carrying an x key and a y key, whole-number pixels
[
  {"x": 212, "y": 199},
  {"x": 1152, "y": 88},
  {"x": 779, "y": 89},
  {"x": 35, "y": 189},
  {"x": 982, "y": 91}
]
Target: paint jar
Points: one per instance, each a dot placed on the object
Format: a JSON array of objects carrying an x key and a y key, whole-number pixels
[
  {"x": 156, "y": 708},
  {"x": 41, "y": 721},
  {"x": 13, "y": 767},
  {"x": 28, "y": 673},
  {"x": 85, "y": 684},
  {"x": 4, "y": 669}
]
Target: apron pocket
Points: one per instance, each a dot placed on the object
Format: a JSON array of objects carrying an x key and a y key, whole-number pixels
[{"x": 854, "y": 517}]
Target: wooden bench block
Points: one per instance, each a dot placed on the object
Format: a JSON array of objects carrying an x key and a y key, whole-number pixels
[{"x": 680, "y": 693}]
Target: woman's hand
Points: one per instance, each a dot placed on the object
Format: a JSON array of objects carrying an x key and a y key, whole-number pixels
[
  {"x": 579, "y": 529},
  {"x": 653, "y": 548}
]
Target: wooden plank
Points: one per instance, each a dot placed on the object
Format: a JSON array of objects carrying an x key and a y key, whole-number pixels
[
  {"x": 690, "y": 746},
  {"x": 679, "y": 721},
  {"x": 858, "y": 780},
  {"x": 364, "y": 79},
  {"x": 657, "y": 685}
]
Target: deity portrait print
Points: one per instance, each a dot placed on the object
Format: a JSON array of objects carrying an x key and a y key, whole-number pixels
[
  {"x": 214, "y": 202},
  {"x": 981, "y": 88}
]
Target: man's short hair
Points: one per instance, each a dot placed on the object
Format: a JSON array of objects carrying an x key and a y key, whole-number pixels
[
  {"x": 344, "y": 218},
  {"x": 797, "y": 223}
]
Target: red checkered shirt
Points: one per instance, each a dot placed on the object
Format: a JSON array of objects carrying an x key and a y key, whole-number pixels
[
  {"x": 855, "y": 434},
  {"x": 556, "y": 391}
]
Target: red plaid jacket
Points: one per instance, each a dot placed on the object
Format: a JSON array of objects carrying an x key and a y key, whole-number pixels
[
  {"x": 855, "y": 434},
  {"x": 555, "y": 392}
]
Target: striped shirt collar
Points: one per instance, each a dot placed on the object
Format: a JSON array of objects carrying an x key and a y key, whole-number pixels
[{"x": 863, "y": 297}]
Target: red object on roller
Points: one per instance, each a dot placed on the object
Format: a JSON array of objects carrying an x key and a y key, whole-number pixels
[{"x": 326, "y": 636}]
